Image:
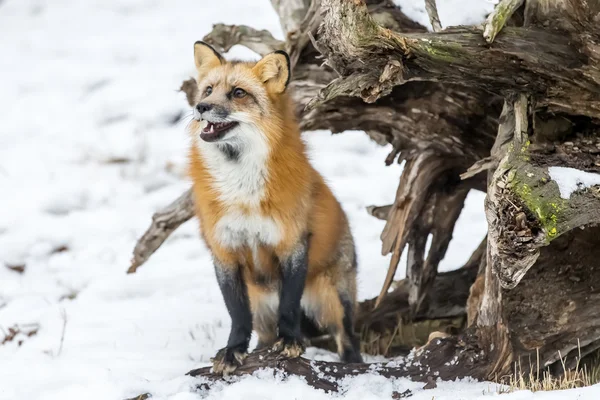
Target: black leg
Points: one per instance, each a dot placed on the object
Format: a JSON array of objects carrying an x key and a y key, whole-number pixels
[
  {"x": 352, "y": 344},
  {"x": 235, "y": 295},
  {"x": 293, "y": 277}
]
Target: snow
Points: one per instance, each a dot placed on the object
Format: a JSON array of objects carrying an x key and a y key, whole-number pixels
[
  {"x": 89, "y": 150},
  {"x": 451, "y": 12},
  {"x": 570, "y": 180}
]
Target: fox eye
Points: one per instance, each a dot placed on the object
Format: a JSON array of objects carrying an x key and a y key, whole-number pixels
[
  {"x": 237, "y": 92},
  {"x": 208, "y": 90}
]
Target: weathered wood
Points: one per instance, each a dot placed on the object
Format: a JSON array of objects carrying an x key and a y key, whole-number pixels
[
  {"x": 380, "y": 212},
  {"x": 499, "y": 17},
  {"x": 224, "y": 37},
  {"x": 291, "y": 13},
  {"x": 298, "y": 39},
  {"x": 479, "y": 258},
  {"x": 448, "y": 206},
  {"x": 549, "y": 64},
  {"x": 491, "y": 327},
  {"x": 411, "y": 198},
  {"x": 551, "y": 313},
  {"x": 514, "y": 124},
  {"x": 434, "y": 18},
  {"x": 480, "y": 166},
  {"x": 524, "y": 206},
  {"x": 553, "y": 310},
  {"x": 520, "y": 232},
  {"x": 426, "y": 202},
  {"x": 393, "y": 329}
]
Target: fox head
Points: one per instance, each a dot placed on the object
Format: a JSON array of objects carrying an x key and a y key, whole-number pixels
[{"x": 238, "y": 102}]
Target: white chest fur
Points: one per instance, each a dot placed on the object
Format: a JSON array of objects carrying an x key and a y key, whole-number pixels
[
  {"x": 240, "y": 184},
  {"x": 240, "y": 180},
  {"x": 236, "y": 229}
]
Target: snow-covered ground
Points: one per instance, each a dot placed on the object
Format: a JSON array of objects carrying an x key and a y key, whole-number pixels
[{"x": 89, "y": 150}]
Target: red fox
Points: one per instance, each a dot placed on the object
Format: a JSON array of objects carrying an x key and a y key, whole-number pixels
[{"x": 280, "y": 241}]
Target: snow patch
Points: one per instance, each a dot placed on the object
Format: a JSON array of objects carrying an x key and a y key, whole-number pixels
[
  {"x": 451, "y": 12},
  {"x": 570, "y": 180}
]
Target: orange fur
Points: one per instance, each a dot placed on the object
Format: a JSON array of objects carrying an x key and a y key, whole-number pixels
[{"x": 295, "y": 197}]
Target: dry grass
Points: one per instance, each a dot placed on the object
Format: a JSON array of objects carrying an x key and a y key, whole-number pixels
[
  {"x": 410, "y": 335},
  {"x": 582, "y": 375}
]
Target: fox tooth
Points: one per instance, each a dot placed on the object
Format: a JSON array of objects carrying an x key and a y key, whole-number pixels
[
  {"x": 212, "y": 128},
  {"x": 203, "y": 124}
]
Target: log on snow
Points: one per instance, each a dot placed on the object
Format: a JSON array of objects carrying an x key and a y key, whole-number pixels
[{"x": 425, "y": 366}]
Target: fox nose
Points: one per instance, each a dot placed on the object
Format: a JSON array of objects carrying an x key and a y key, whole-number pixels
[{"x": 203, "y": 107}]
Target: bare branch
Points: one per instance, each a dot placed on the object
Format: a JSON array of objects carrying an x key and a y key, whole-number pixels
[
  {"x": 498, "y": 18},
  {"x": 480, "y": 166},
  {"x": 164, "y": 222},
  {"x": 434, "y": 18},
  {"x": 224, "y": 37},
  {"x": 291, "y": 13},
  {"x": 446, "y": 208},
  {"x": 190, "y": 88},
  {"x": 63, "y": 315},
  {"x": 408, "y": 210},
  {"x": 298, "y": 39},
  {"x": 379, "y": 212}
]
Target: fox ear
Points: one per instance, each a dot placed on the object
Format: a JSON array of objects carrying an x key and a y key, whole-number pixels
[
  {"x": 274, "y": 71},
  {"x": 206, "y": 57}
]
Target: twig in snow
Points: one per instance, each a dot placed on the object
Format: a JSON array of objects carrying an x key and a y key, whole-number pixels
[
  {"x": 63, "y": 314},
  {"x": 19, "y": 268}
]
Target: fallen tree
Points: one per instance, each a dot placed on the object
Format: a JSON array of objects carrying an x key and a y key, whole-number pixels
[{"x": 499, "y": 108}]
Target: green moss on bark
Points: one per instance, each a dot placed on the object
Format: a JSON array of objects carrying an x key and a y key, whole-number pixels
[{"x": 539, "y": 194}]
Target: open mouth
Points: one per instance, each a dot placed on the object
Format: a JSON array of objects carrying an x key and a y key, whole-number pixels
[{"x": 216, "y": 130}]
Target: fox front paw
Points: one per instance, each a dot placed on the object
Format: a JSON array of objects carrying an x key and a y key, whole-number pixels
[
  {"x": 228, "y": 360},
  {"x": 289, "y": 348}
]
